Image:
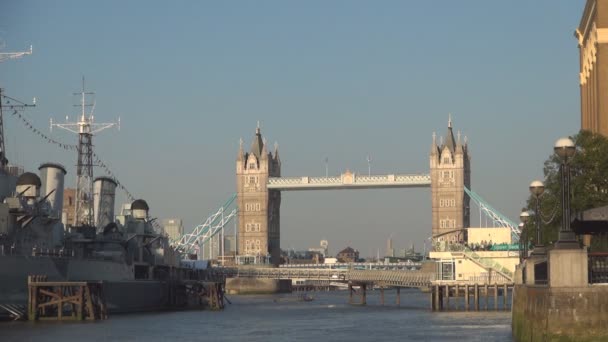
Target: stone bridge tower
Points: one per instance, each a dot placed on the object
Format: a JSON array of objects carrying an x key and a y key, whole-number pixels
[
  {"x": 259, "y": 208},
  {"x": 450, "y": 173}
]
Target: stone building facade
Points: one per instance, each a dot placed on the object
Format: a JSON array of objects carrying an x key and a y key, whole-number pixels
[
  {"x": 592, "y": 36},
  {"x": 259, "y": 208},
  {"x": 450, "y": 173}
]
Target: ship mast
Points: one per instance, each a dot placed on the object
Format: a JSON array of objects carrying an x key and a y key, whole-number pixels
[
  {"x": 85, "y": 127},
  {"x": 5, "y": 102}
]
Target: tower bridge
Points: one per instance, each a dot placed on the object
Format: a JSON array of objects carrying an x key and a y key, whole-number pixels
[{"x": 260, "y": 183}]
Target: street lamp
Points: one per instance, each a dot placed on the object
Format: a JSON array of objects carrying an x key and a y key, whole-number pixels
[
  {"x": 522, "y": 242},
  {"x": 565, "y": 150},
  {"x": 537, "y": 188},
  {"x": 523, "y": 236}
]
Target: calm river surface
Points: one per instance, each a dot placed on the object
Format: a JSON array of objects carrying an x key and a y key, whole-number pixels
[{"x": 277, "y": 318}]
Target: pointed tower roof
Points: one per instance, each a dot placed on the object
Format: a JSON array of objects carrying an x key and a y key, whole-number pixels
[
  {"x": 434, "y": 148},
  {"x": 276, "y": 150},
  {"x": 258, "y": 144},
  {"x": 450, "y": 141},
  {"x": 241, "y": 154}
]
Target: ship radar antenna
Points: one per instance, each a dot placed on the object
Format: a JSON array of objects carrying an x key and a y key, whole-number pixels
[
  {"x": 85, "y": 127},
  {"x": 14, "y": 55}
]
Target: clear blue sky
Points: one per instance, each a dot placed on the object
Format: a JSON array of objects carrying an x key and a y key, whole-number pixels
[{"x": 336, "y": 79}]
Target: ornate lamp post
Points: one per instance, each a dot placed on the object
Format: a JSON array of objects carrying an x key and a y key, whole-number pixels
[
  {"x": 523, "y": 237},
  {"x": 522, "y": 253},
  {"x": 537, "y": 188},
  {"x": 565, "y": 150}
]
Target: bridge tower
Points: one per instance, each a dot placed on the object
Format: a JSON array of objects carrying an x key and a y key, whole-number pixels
[
  {"x": 259, "y": 208},
  {"x": 450, "y": 173}
]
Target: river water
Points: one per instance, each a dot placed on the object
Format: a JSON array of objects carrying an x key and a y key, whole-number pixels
[{"x": 328, "y": 317}]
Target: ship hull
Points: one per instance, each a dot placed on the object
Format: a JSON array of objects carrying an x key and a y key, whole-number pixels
[{"x": 122, "y": 294}]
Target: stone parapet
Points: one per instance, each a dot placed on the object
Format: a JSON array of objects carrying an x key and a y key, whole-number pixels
[{"x": 543, "y": 313}]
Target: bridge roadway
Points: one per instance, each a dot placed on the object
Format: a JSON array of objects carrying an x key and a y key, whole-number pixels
[
  {"x": 413, "y": 266},
  {"x": 350, "y": 180},
  {"x": 396, "y": 278}
]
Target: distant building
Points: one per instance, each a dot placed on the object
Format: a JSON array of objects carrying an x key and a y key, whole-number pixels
[
  {"x": 69, "y": 206},
  {"x": 348, "y": 254},
  {"x": 174, "y": 228},
  {"x": 229, "y": 244},
  {"x": 592, "y": 36},
  {"x": 390, "y": 251}
]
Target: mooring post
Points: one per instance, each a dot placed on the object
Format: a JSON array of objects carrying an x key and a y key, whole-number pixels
[
  {"x": 476, "y": 297},
  {"x": 350, "y": 291},
  {"x": 496, "y": 297},
  {"x": 487, "y": 295},
  {"x": 382, "y": 295},
  {"x": 398, "y": 296},
  {"x": 466, "y": 297}
]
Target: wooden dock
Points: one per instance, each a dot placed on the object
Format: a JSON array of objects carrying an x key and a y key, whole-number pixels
[
  {"x": 448, "y": 297},
  {"x": 65, "y": 300}
]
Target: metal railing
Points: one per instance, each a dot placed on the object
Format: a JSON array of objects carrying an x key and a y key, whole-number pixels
[
  {"x": 488, "y": 263},
  {"x": 598, "y": 268}
]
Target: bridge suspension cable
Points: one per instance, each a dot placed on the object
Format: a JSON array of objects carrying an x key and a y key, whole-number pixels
[
  {"x": 498, "y": 218},
  {"x": 202, "y": 234}
]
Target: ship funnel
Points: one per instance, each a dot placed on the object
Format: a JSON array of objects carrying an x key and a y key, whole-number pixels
[
  {"x": 52, "y": 176},
  {"x": 139, "y": 209},
  {"x": 104, "y": 194},
  {"x": 28, "y": 185}
]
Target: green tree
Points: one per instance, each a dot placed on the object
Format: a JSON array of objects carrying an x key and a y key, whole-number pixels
[{"x": 589, "y": 186}]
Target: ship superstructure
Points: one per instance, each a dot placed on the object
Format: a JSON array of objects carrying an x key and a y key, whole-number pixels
[{"x": 138, "y": 268}]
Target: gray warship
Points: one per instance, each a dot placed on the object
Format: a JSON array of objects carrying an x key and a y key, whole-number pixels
[
  {"x": 138, "y": 268},
  {"x": 136, "y": 264}
]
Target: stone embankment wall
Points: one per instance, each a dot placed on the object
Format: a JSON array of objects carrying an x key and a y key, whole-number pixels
[
  {"x": 560, "y": 314},
  {"x": 257, "y": 286}
]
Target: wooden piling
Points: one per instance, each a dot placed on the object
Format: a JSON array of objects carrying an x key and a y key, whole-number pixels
[
  {"x": 437, "y": 300},
  {"x": 476, "y": 297},
  {"x": 457, "y": 296},
  {"x": 504, "y": 297},
  {"x": 447, "y": 297},
  {"x": 496, "y": 297},
  {"x": 466, "y": 297},
  {"x": 350, "y": 292},
  {"x": 363, "y": 294},
  {"x": 398, "y": 296},
  {"x": 487, "y": 295},
  {"x": 382, "y": 295}
]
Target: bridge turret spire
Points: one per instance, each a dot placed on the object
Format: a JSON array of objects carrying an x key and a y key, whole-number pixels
[
  {"x": 434, "y": 148},
  {"x": 241, "y": 153},
  {"x": 276, "y": 151},
  {"x": 450, "y": 141},
  {"x": 258, "y": 143}
]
